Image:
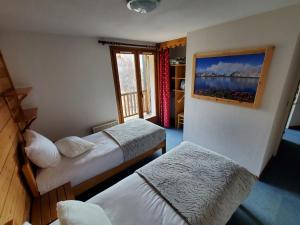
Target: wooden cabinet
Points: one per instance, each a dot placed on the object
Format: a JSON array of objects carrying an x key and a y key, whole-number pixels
[
  {"x": 177, "y": 54},
  {"x": 177, "y": 73}
]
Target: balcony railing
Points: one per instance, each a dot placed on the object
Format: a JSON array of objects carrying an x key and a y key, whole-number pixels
[{"x": 130, "y": 103}]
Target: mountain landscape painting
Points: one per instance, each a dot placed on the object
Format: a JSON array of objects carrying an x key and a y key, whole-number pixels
[{"x": 231, "y": 77}]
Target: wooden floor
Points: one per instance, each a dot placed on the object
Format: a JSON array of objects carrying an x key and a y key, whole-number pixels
[{"x": 44, "y": 207}]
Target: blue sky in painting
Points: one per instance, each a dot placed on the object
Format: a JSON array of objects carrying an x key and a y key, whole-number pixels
[{"x": 229, "y": 64}]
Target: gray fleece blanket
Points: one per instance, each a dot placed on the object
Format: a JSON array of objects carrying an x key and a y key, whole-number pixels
[
  {"x": 136, "y": 137},
  {"x": 205, "y": 188}
]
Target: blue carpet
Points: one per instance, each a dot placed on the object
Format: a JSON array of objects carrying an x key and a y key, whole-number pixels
[
  {"x": 292, "y": 136},
  {"x": 274, "y": 200},
  {"x": 174, "y": 137}
]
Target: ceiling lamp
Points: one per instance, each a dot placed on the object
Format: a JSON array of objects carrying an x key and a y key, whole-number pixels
[{"x": 142, "y": 6}]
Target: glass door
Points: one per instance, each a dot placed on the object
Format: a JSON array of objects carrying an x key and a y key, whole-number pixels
[
  {"x": 128, "y": 85},
  {"x": 135, "y": 83},
  {"x": 147, "y": 67}
]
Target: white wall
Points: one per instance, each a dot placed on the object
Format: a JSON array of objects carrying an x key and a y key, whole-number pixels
[
  {"x": 249, "y": 136},
  {"x": 71, "y": 78}
]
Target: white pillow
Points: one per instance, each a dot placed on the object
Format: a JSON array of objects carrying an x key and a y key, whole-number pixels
[
  {"x": 74, "y": 212},
  {"x": 40, "y": 150},
  {"x": 73, "y": 146}
]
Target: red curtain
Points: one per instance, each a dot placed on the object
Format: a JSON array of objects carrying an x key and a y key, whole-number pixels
[{"x": 164, "y": 84}]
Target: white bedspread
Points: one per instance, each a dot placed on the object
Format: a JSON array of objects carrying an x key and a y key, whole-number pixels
[
  {"x": 106, "y": 155},
  {"x": 133, "y": 202}
]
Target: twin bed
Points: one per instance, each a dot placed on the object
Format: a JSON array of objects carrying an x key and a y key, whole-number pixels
[
  {"x": 117, "y": 148},
  {"x": 188, "y": 185}
]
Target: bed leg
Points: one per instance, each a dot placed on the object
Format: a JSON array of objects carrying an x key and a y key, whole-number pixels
[{"x": 164, "y": 149}]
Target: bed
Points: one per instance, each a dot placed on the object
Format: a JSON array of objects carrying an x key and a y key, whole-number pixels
[
  {"x": 188, "y": 185},
  {"x": 117, "y": 148}
]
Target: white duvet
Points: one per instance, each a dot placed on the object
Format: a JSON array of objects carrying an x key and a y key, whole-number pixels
[
  {"x": 133, "y": 202},
  {"x": 105, "y": 156}
]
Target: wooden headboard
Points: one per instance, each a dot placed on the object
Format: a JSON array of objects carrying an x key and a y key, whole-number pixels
[{"x": 14, "y": 198}]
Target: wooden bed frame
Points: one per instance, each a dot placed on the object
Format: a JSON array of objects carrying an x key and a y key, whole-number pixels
[{"x": 29, "y": 171}]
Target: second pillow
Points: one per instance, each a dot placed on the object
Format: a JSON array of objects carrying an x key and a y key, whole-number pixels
[{"x": 73, "y": 146}]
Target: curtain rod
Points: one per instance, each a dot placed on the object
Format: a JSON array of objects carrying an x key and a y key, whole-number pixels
[{"x": 125, "y": 44}]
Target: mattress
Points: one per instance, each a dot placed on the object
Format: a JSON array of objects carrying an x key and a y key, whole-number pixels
[
  {"x": 133, "y": 202},
  {"x": 105, "y": 156}
]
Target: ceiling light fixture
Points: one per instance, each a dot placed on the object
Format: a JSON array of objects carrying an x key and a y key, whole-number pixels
[{"x": 142, "y": 6}]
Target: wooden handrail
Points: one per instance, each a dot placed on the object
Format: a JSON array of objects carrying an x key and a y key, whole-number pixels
[
  {"x": 130, "y": 103},
  {"x": 129, "y": 93}
]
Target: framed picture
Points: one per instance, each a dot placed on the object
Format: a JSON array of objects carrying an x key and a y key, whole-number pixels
[{"x": 234, "y": 76}]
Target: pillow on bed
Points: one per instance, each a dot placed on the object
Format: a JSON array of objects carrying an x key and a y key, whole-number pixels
[
  {"x": 73, "y": 146},
  {"x": 40, "y": 150},
  {"x": 81, "y": 213}
]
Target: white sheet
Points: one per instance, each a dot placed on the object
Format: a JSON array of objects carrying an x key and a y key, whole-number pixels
[
  {"x": 133, "y": 202},
  {"x": 106, "y": 155}
]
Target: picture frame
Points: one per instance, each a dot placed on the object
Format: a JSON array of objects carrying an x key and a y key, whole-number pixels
[{"x": 232, "y": 76}]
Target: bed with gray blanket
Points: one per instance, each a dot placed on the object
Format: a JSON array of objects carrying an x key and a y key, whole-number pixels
[
  {"x": 188, "y": 185},
  {"x": 202, "y": 186},
  {"x": 137, "y": 136},
  {"x": 116, "y": 149}
]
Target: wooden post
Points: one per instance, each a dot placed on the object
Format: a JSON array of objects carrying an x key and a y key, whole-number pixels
[
  {"x": 164, "y": 148},
  {"x": 148, "y": 86}
]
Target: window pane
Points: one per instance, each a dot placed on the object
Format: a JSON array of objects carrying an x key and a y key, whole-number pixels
[
  {"x": 127, "y": 78},
  {"x": 147, "y": 67}
]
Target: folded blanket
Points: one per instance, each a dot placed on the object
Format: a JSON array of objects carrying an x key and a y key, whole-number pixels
[
  {"x": 136, "y": 137},
  {"x": 204, "y": 187}
]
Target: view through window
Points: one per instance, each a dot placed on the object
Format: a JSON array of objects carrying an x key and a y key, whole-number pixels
[{"x": 128, "y": 84}]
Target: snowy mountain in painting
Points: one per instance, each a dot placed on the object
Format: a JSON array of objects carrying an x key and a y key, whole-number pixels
[
  {"x": 231, "y": 70},
  {"x": 248, "y": 65}
]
